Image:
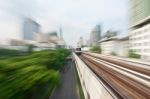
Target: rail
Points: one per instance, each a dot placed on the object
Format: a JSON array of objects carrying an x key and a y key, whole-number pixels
[
  {"x": 128, "y": 82},
  {"x": 93, "y": 87},
  {"x": 129, "y": 60}
]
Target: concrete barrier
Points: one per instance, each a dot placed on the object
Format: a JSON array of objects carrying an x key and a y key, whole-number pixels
[{"x": 92, "y": 86}]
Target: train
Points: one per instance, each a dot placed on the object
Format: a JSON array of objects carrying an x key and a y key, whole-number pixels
[{"x": 78, "y": 50}]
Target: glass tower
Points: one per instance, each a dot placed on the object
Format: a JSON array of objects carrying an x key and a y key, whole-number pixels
[{"x": 140, "y": 9}]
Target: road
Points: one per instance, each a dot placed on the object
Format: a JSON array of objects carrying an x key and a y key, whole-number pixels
[{"x": 68, "y": 89}]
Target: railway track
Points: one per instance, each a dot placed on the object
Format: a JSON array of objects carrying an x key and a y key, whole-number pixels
[
  {"x": 125, "y": 64},
  {"x": 127, "y": 81}
]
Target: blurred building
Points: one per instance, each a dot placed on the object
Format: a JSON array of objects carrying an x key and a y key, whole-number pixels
[
  {"x": 87, "y": 43},
  {"x": 20, "y": 44},
  {"x": 30, "y": 27},
  {"x": 50, "y": 39},
  {"x": 33, "y": 36},
  {"x": 114, "y": 45},
  {"x": 95, "y": 35},
  {"x": 42, "y": 41},
  {"x": 111, "y": 33},
  {"x": 53, "y": 34},
  {"x": 17, "y": 42},
  {"x": 140, "y": 11},
  {"x": 60, "y": 32},
  {"x": 41, "y": 37},
  {"x": 139, "y": 35},
  {"x": 14, "y": 42},
  {"x": 80, "y": 42}
]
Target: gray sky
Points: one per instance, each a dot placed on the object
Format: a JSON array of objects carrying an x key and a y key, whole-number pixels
[{"x": 76, "y": 17}]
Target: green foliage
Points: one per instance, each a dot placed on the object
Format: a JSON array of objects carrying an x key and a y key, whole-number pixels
[
  {"x": 9, "y": 53},
  {"x": 95, "y": 49},
  {"x": 30, "y": 48},
  {"x": 32, "y": 76},
  {"x": 113, "y": 53},
  {"x": 132, "y": 54}
]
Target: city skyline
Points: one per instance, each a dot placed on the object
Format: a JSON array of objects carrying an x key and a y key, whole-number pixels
[
  {"x": 76, "y": 18},
  {"x": 75, "y": 49}
]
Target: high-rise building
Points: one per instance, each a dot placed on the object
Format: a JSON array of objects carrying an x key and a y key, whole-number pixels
[
  {"x": 95, "y": 35},
  {"x": 139, "y": 35},
  {"x": 30, "y": 27},
  {"x": 140, "y": 11}
]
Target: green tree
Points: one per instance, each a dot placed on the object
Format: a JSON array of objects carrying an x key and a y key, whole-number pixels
[
  {"x": 33, "y": 76},
  {"x": 9, "y": 53},
  {"x": 113, "y": 53},
  {"x": 133, "y": 54},
  {"x": 30, "y": 48},
  {"x": 96, "y": 49}
]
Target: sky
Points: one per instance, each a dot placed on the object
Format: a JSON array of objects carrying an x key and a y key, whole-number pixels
[{"x": 76, "y": 17}]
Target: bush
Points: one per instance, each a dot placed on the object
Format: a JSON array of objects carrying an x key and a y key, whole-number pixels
[
  {"x": 132, "y": 54},
  {"x": 9, "y": 53},
  {"x": 113, "y": 53},
  {"x": 32, "y": 76},
  {"x": 95, "y": 49},
  {"x": 30, "y": 48}
]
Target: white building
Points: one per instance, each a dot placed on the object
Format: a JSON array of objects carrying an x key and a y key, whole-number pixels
[
  {"x": 114, "y": 45},
  {"x": 140, "y": 41},
  {"x": 51, "y": 40},
  {"x": 41, "y": 37},
  {"x": 123, "y": 46},
  {"x": 41, "y": 42},
  {"x": 139, "y": 35}
]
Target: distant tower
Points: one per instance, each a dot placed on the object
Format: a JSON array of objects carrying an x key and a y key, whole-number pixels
[
  {"x": 30, "y": 27},
  {"x": 95, "y": 35},
  {"x": 61, "y": 32}
]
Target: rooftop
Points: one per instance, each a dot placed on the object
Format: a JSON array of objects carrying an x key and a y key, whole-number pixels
[{"x": 114, "y": 39}]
